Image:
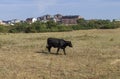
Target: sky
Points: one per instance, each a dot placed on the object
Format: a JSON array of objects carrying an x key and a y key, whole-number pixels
[{"x": 89, "y": 9}]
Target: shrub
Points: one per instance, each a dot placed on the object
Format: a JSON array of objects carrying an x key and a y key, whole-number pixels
[
  {"x": 52, "y": 26},
  {"x": 4, "y": 29},
  {"x": 19, "y": 27}
]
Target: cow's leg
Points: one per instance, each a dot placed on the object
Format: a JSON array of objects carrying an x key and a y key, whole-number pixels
[
  {"x": 58, "y": 50},
  {"x": 64, "y": 51},
  {"x": 49, "y": 48}
]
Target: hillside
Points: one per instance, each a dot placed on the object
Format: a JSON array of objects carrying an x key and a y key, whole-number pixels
[{"x": 95, "y": 55}]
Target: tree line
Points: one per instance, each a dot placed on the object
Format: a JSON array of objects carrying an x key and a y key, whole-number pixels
[{"x": 52, "y": 26}]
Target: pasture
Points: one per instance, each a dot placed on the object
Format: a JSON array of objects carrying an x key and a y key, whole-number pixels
[{"x": 95, "y": 55}]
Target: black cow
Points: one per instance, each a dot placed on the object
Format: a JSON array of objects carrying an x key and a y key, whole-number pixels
[{"x": 58, "y": 43}]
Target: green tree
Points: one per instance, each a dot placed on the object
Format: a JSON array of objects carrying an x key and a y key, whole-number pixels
[
  {"x": 19, "y": 27},
  {"x": 4, "y": 29},
  {"x": 51, "y": 24},
  {"x": 37, "y": 27}
]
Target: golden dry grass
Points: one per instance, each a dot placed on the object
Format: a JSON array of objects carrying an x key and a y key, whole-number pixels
[{"x": 95, "y": 55}]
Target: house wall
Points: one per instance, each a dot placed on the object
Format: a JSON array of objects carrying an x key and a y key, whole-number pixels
[{"x": 72, "y": 21}]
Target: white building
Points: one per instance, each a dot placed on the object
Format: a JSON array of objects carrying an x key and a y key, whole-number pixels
[
  {"x": 117, "y": 20},
  {"x": 31, "y": 20},
  {"x": 2, "y": 22}
]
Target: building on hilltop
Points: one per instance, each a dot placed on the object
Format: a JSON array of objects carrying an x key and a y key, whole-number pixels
[
  {"x": 66, "y": 20},
  {"x": 31, "y": 20},
  {"x": 118, "y": 20},
  {"x": 70, "y": 20},
  {"x": 10, "y": 22},
  {"x": 2, "y": 22},
  {"x": 58, "y": 18},
  {"x": 44, "y": 18},
  {"x": 13, "y": 21}
]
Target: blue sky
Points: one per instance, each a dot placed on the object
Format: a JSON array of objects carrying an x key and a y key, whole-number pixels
[{"x": 89, "y": 9}]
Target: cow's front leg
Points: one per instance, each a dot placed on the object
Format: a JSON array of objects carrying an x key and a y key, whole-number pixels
[
  {"x": 58, "y": 51},
  {"x": 49, "y": 48},
  {"x": 64, "y": 51}
]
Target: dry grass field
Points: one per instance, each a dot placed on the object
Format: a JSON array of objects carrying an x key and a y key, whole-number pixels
[{"x": 95, "y": 55}]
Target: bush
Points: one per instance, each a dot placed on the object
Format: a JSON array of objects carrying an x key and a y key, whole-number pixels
[
  {"x": 19, "y": 27},
  {"x": 64, "y": 28},
  {"x": 52, "y": 26},
  {"x": 76, "y": 27},
  {"x": 36, "y": 27},
  {"x": 109, "y": 26},
  {"x": 4, "y": 29}
]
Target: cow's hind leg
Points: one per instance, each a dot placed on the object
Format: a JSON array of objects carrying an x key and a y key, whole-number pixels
[
  {"x": 58, "y": 51},
  {"x": 64, "y": 51}
]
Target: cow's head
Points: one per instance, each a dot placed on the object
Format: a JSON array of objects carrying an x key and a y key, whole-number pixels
[{"x": 69, "y": 43}]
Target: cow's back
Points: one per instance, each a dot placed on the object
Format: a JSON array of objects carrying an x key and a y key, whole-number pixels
[{"x": 55, "y": 42}]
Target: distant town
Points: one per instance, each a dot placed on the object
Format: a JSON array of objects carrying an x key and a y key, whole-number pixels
[{"x": 67, "y": 20}]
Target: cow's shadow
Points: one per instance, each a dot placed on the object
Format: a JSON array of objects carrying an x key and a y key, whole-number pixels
[{"x": 45, "y": 52}]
